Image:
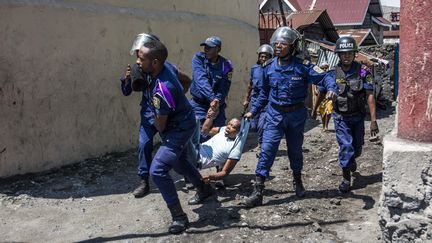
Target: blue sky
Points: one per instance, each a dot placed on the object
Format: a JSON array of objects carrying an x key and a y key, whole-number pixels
[{"x": 394, "y": 3}]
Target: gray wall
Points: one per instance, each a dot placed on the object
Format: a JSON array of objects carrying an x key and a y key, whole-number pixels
[{"x": 60, "y": 63}]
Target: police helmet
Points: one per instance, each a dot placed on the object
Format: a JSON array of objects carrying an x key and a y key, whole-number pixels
[
  {"x": 285, "y": 34},
  {"x": 140, "y": 40},
  {"x": 266, "y": 48},
  {"x": 345, "y": 44}
]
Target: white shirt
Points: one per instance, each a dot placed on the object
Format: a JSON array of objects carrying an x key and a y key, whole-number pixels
[{"x": 217, "y": 150}]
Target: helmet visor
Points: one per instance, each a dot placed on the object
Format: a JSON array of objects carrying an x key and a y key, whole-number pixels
[
  {"x": 139, "y": 42},
  {"x": 284, "y": 35}
]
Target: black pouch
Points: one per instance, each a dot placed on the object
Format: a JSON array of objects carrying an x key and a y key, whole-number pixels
[
  {"x": 342, "y": 104},
  {"x": 356, "y": 85}
]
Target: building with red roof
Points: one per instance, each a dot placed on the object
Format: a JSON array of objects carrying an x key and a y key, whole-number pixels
[{"x": 345, "y": 14}]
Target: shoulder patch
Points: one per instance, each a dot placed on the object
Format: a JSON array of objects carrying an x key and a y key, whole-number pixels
[
  {"x": 318, "y": 69},
  {"x": 156, "y": 102},
  {"x": 369, "y": 78},
  {"x": 229, "y": 75},
  {"x": 227, "y": 67}
]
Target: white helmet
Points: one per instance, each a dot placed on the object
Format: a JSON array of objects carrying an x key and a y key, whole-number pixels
[
  {"x": 140, "y": 40},
  {"x": 266, "y": 48}
]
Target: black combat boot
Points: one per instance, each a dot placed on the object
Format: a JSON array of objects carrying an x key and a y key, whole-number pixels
[
  {"x": 353, "y": 167},
  {"x": 203, "y": 192},
  {"x": 143, "y": 189},
  {"x": 180, "y": 220},
  {"x": 298, "y": 185},
  {"x": 345, "y": 185},
  {"x": 257, "y": 195}
]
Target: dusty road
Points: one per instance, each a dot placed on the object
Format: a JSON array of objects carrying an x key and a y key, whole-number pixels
[{"x": 91, "y": 201}]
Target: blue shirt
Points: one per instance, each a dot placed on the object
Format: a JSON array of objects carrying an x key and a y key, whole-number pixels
[
  {"x": 146, "y": 113},
  {"x": 210, "y": 81},
  {"x": 256, "y": 77},
  {"x": 288, "y": 84},
  {"x": 165, "y": 97}
]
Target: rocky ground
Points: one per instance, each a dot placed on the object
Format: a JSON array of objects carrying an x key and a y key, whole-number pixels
[{"x": 91, "y": 200}]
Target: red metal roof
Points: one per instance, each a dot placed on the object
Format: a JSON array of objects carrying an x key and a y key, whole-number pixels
[
  {"x": 346, "y": 12},
  {"x": 304, "y": 19},
  {"x": 359, "y": 35},
  {"x": 391, "y": 34},
  {"x": 295, "y": 4},
  {"x": 383, "y": 20}
]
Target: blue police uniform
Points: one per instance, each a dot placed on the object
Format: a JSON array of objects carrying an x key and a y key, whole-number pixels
[
  {"x": 147, "y": 129},
  {"x": 284, "y": 90},
  {"x": 166, "y": 97},
  {"x": 349, "y": 126},
  {"x": 258, "y": 120},
  {"x": 210, "y": 81}
]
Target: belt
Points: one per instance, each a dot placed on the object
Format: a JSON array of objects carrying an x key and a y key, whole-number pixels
[{"x": 288, "y": 108}]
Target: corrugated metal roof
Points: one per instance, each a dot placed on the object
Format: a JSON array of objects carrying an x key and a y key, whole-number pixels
[
  {"x": 341, "y": 12},
  {"x": 391, "y": 34},
  {"x": 383, "y": 20},
  {"x": 362, "y": 37},
  {"x": 295, "y": 4},
  {"x": 304, "y": 19}
]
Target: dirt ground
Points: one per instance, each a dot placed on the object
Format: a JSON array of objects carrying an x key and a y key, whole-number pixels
[{"x": 91, "y": 201}]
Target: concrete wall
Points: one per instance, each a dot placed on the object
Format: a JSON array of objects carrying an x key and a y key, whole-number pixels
[
  {"x": 405, "y": 207},
  {"x": 60, "y": 63}
]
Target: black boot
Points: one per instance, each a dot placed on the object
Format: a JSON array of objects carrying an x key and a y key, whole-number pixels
[
  {"x": 180, "y": 220},
  {"x": 143, "y": 189},
  {"x": 257, "y": 195},
  {"x": 298, "y": 185},
  {"x": 353, "y": 167},
  {"x": 345, "y": 185},
  {"x": 203, "y": 192}
]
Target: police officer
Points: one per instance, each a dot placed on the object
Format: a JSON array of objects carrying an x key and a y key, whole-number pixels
[
  {"x": 134, "y": 80},
  {"x": 285, "y": 88},
  {"x": 265, "y": 52},
  {"x": 355, "y": 89},
  {"x": 174, "y": 119},
  {"x": 211, "y": 81}
]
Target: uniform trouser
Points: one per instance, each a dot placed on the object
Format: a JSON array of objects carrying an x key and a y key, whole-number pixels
[
  {"x": 173, "y": 154},
  {"x": 201, "y": 113},
  {"x": 350, "y": 136},
  {"x": 145, "y": 148},
  {"x": 258, "y": 123},
  {"x": 290, "y": 124}
]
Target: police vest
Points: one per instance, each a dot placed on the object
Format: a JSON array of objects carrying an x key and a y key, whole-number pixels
[{"x": 352, "y": 96}]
